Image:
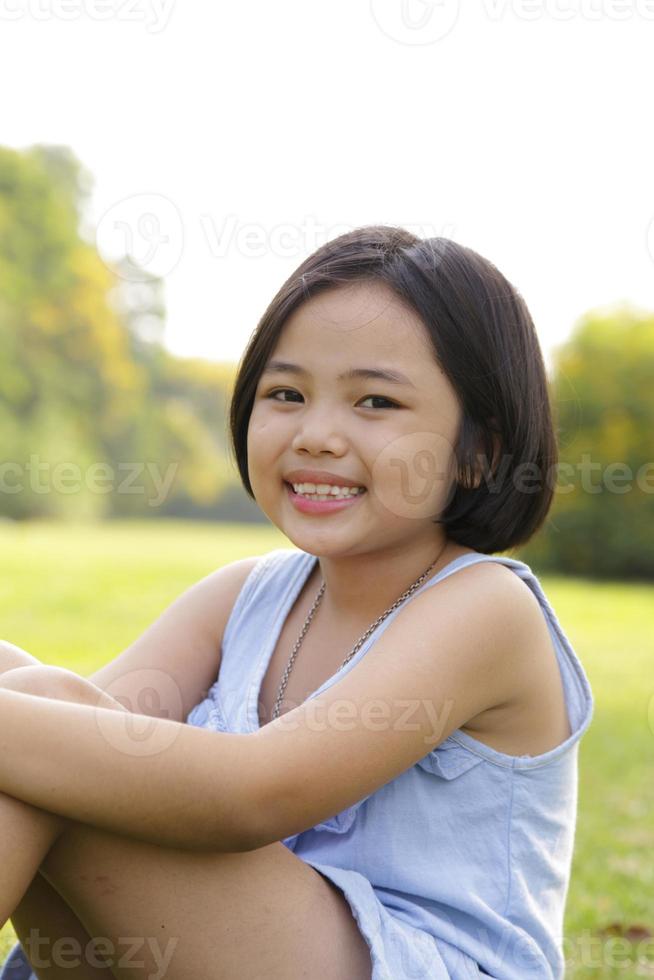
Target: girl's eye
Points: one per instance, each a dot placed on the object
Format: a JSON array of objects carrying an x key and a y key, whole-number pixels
[
  {"x": 278, "y": 391},
  {"x": 378, "y": 398}
]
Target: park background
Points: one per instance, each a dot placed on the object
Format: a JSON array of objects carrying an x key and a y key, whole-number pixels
[{"x": 141, "y": 240}]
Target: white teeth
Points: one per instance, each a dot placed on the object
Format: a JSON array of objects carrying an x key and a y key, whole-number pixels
[{"x": 326, "y": 491}]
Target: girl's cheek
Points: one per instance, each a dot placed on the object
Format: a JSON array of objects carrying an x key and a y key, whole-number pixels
[
  {"x": 260, "y": 432},
  {"x": 413, "y": 475}
]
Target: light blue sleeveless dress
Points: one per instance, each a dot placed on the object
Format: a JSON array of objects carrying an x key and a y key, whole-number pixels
[{"x": 459, "y": 867}]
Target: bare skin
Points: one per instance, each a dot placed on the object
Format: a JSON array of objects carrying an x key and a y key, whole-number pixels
[{"x": 260, "y": 912}]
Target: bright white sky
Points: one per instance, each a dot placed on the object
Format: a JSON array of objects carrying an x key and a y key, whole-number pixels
[{"x": 245, "y": 134}]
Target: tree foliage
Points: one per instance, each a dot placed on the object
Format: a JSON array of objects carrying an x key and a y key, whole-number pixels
[
  {"x": 86, "y": 385},
  {"x": 601, "y": 523}
]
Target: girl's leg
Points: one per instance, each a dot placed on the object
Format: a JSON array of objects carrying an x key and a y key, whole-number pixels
[
  {"x": 41, "y": 915},
  {"x": 33, "y": 824},
  {"x": 12, "y": 656},
  {"x": 28, "y": 832},
  {"x": 47, "y": 928},
  {"x": 183, "y": 914},
  {"x": 26, "y": 836}
]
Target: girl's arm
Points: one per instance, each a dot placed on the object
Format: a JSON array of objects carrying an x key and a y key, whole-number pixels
[
  {"x": 169, "y": 668},
  {"x": 149, "y": 778},
  {"x": 450, "y": 654}
]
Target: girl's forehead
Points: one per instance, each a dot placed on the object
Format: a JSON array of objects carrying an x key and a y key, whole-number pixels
[
  {"x": 338, "y": 360},
  {"x": 354, "y": 304},
  {"x": 359, "y": 316}
]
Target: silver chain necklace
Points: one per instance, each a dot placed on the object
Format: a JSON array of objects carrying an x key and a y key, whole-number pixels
[{"x": 357, "y": 645}]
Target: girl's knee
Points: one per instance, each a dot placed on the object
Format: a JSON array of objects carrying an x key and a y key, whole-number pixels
[
  {"x": 41, "y": 679},
  {"x": 12, "y": 656},
  {"x": 48, "y": 681}
]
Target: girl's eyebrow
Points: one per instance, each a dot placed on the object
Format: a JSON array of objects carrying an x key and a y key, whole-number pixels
[{"x": 373, "y": 374}]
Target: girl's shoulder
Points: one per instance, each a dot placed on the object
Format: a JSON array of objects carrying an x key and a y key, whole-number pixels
[
  {"x": 534, "y": 717},
  {"x": 475, "y": 566},
  {"x": 468, "y": 570}
]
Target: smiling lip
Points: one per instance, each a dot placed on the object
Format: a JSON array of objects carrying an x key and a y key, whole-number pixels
[
  {"x": 320, "y": 506},
  {"x": 318, "y": 476}
]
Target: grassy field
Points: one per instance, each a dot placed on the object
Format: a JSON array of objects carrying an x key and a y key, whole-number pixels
[{"x": 76, "y": 596}]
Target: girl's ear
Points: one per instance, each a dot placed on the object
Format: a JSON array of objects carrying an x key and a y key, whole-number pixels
[
  {"x": 482, "y": 467},
  {"x": 497, "y": 444}
]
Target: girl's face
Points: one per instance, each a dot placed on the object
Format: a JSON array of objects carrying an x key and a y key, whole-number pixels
[{"x": 393, "y": 438}]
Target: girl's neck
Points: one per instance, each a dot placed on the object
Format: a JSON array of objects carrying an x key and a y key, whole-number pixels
[{"x": 362, "y": 587}]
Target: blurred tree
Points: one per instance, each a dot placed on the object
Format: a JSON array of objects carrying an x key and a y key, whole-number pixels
[
  {"x": 66, "y": 370},
  {"x": 84, "y": 377},
  {"x": 601, "y": 523}
]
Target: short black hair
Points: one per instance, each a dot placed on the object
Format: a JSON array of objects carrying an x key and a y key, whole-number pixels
[{"x": 484, "y": 340}]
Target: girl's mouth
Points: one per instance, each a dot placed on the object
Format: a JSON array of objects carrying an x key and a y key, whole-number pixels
[{"x": 314, "y": 506}]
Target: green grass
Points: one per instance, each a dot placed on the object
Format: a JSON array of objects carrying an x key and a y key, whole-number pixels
[{"x": 77, "y": 595}]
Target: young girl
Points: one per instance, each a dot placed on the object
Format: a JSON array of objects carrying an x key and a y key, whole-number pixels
[{"x": 382, "y": 780}]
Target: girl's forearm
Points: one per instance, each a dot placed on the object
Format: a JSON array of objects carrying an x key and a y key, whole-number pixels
[{"x": 148, "y": 778}]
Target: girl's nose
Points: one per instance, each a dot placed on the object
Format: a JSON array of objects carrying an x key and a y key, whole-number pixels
[{"x": 319, "y": 434}]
